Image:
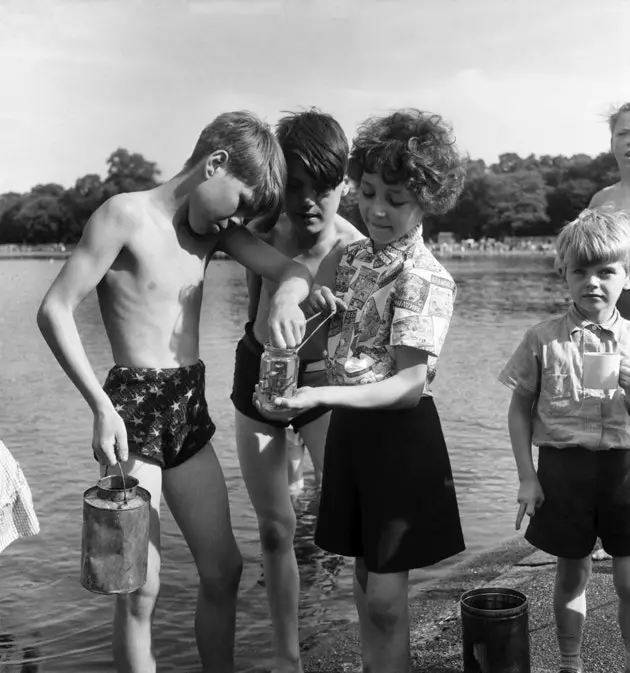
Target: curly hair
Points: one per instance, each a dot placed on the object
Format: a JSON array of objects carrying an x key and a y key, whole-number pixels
[{"x": 415, "y": 148}]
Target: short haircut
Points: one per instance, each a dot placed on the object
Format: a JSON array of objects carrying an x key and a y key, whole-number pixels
[
  {"x": 254, "y": 155},
  {"x": 613, "y": 118},
  {"x": 414, "y": 148},
  {"x": 317, "y": 140},
  {"x": 596, "y": 236}
]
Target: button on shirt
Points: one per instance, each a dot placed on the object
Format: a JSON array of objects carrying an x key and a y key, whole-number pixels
[
  {"x": 399, "y": 295},
  {"x": 548, "y": 364}
]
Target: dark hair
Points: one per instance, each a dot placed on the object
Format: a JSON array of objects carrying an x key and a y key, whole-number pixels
[
  {"x": 319, "y": 142},
  {"x": 414, "y": 148},
  {"x": 613, "y": 118},
  {"x": 255, "y": 156}
]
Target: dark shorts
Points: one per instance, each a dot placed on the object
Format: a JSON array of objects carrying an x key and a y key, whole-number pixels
[
  {"x": 247, "y": 372},
  {"x": 165, "y": 411},
  {"x": 587, "y": 495},
  {"x": 387, "y": 489}
]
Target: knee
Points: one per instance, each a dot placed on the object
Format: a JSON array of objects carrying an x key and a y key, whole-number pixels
[
  {"x": 141, "y": 603},
  {"x": 385, "y": 614},
  {"x": 276, "y": 533},
  {"x": 572, "y": 576},
  {"x": 221, "y": 581}
]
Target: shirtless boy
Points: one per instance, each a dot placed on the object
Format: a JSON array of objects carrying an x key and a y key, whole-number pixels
[
  {"x": 146, "y": 254},
  {"x": 617, "y": 197},
  {"x": 311, "y": 232}
]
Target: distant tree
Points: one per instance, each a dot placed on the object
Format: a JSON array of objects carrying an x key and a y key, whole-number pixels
[
  {"x": 81, "y": 201},
  {"x": 518, "y": 203},
  {"x": 129, "y": 172}
]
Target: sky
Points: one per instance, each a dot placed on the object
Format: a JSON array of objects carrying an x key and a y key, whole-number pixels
[{"x": 81, "y": 78}]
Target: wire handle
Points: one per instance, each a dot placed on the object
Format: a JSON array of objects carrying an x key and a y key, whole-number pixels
[
  {"x": 122, "y": 474},
  {"x": 328, "y": 317}
]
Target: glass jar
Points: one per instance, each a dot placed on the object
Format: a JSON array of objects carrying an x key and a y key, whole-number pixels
[{"x": 278, "y": 375}]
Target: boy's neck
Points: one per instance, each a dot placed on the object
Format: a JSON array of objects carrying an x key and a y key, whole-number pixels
[
  {"x": 312, "y": 241},
  {"x": 597, "y": 317}
]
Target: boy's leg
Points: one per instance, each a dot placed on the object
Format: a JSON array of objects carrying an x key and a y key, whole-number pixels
[
  {"x": 381, "y": 601},
  {"x": 295, "y": 459},
  {"x": 621, "y": 577},
  {"x": 196, "y": 494},
  {"x": 263, "y": 457},
  {"x": 133, "y": 613},
  {"x": 572, "y": 576}
]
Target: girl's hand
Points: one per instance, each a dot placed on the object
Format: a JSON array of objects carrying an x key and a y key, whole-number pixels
[
  {"x": 305, "y": 398},
  {"x": 279, "y": 414},
  {"x": 530, "y": 497}
]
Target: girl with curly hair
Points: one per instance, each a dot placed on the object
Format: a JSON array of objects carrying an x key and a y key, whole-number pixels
[{"x": 388, "y": 498}]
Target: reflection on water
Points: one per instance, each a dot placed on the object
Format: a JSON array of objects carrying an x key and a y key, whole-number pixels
[{"x": 44, "y": 612}]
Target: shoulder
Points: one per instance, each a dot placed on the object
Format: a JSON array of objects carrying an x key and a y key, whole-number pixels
[
  {"x": 123, "y": 214},
  {"x": 549, "y": 329},
  {"x": 604, "y": 196},
  {"x": 347, "y": 232},
  {"x": 422, "y": 262}
]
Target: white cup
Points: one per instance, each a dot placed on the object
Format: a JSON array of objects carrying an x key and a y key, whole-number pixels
[{"x": 601, "y": 370}]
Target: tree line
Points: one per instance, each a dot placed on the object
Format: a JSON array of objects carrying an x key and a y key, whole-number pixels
[{"x": 531, "y": 196}]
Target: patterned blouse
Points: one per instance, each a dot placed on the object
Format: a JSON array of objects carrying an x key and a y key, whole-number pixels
[{"x": 397, "y": 296}]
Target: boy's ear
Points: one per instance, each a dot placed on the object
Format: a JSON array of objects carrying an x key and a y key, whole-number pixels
[{"x": 217, "y": 159}]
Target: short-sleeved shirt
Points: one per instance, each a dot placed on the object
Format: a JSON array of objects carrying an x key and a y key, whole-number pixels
[
  {"x": 399, "y": 295},
  {"x": 548, "y": 364}
]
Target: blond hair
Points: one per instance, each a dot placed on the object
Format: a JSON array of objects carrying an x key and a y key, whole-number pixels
[{"x": 596, "y": 236}]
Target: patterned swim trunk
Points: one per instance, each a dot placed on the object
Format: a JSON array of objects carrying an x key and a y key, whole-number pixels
[{"x": 165, "y": 411}]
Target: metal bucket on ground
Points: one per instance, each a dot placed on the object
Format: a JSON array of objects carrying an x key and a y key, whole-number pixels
[
  {"x": 115, "y": 536},
  {"x": 495, "y": 631}
]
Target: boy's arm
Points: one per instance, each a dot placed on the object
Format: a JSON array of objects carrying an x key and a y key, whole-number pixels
[
  {"x": 286, "y": 319},
  {"x": 103, "y": 238},
  {"x": 254, "y": 287},
  {"x": 530, "y": 494}
]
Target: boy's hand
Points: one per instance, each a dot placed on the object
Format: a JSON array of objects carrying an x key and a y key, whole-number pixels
[
  {"x": 624, "y": 372},
  {"x": 109, "y": 438},
  {"x": 287, "y": 324},
  {"x": 530, "y": 497},
  {"x": 322, "y": 298}
]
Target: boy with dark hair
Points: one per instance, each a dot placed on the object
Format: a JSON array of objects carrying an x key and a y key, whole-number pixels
[
  {"x": 146, "y": 255},
  {"x": 311, "y": 232}
]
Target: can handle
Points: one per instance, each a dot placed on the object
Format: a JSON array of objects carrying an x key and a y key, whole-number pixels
[
  {"x": 122, "y": 474},
  {"x": 330, "y": 315}
]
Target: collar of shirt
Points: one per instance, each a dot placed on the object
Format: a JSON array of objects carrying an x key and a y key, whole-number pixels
[
  {"x": 577, "y": 321},
  {"x": 392, "y": 251}
]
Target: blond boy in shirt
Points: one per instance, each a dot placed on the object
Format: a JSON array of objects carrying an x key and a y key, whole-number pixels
[{"x": 578, "y": 492}]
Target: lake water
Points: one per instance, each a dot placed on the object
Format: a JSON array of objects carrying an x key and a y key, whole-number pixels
[{"x": 47, "y": 426}]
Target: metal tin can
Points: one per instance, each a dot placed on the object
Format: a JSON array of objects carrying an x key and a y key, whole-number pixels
[
  {"x": 278, "y": 375},
  {"x": 115, "y": 538}
]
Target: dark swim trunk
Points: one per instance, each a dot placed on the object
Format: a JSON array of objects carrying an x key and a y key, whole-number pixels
[
  {"x": 587, "y": 495},
  {"x": 387, "y": 489},
  {"x": 246, "y": 374},
  {"x": 165, "y": 411}
]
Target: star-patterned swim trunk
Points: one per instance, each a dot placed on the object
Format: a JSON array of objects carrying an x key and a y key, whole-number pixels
[{"x": 165, "y": 411}]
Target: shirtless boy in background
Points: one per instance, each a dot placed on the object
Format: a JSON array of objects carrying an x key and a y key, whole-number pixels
[{"x": 146, "y": 254}]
